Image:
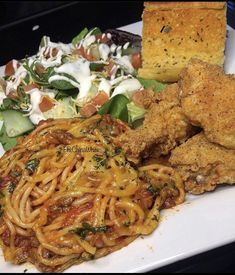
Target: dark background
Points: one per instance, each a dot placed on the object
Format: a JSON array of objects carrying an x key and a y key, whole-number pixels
[{"x": 62, "y": 20}]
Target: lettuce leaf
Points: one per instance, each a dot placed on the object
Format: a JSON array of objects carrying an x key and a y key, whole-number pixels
[
  {"x": 6, "y": 141},
  {"x": 148, "y": 83},
  {"x": 135, "y": 112},
  {"x": 116, "y": 107},
  {"x": 76, "y": 40}
]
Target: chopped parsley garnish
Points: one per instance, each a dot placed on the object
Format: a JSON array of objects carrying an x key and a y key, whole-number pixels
[
  {"x": 14, "y": 174},
  {"x": 32, "y": 165},
  {"x": 117, "y": 151},
  {"x": 100, "y": 160},
  {"x": 86, "y": 228},
  {"x": 152, "y": 190},
  {"x": 11, "y": 187}
]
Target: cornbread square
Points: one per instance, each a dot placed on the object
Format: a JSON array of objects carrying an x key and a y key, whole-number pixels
[{"x": 174, "y": 32}]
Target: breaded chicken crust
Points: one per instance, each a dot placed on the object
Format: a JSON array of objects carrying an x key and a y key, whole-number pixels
[
  {"x": 203, "y": 165},
  {"x": 164, "y": 127},
  {"x": 208, "y": 101}
]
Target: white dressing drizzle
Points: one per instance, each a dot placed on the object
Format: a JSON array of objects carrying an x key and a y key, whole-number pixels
[
  {"x": 14, "y": 64},
  {"x": 88, "y": 41},
  {"x": 104, "y": 51},
  {"x": 109, "y": 35},
  {"x": 113, "y": 48},
  {"x": 105, "y": 86},
  {"x": 125, "y": 62},
  {"x": 62, "y": 49},
  {"x": 125, "y": 46},
  {"x": 79, "y": 70},
  {"x": 128, "y": 86},
  {"x": 65, "y": 78},
  {"x": 35, "y": 114},
  {"x": 13, "y": 84}
]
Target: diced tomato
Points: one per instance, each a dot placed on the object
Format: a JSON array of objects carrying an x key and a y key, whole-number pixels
[
  {"x": 13, "y": 95},
  {"x": 136, "y": 60},
  {"x": 30, "y": 87},
  {"x": 80, "y": 51},
  {"x": 9, "y": 69},
  {"x": 46, "y": 104},
  {"x": 54, "y": 52},
  {"x": 100, "y": 99},
  {"x": 91, "y": 108},
  {"x": 138, "y": 98},
  {"x": 84, "y": 53},
  {"x": 39, "y": 69},
  {"x": 88, "y": 110},
  {"x": 89, "y": 55},
  {"x": 102, "y": 38},
  {"x": 109, "y": 68}
]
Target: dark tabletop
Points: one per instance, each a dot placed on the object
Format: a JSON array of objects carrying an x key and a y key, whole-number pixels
[{"x": 61, "y": 21}]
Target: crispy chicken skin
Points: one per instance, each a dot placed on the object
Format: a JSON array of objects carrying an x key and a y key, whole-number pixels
[
  {"x": 203, "y": 165},
  {"x": 163, "y": 129},
  {"x": 208, "y": 101}
]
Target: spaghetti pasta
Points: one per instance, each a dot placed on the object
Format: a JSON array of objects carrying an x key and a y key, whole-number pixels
[{"x": 69, "y": 195}]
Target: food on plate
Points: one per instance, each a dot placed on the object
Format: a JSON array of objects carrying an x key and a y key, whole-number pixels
[
  {"x": 98, "y": 143},
  {"x": 68, "y": 194},
  {"x": 173, "y": 32},
  {"x": 208, "y": 101},
  {"x": 164, "y": 127},
  {"x": 203, "y": 164},
  {"x": 202, "y": 99},
  {"x": 96, "y": 73}
]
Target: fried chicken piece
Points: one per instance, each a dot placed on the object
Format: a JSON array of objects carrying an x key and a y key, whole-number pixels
[
  {"x": 208, "y": 101},
  {"x": 144, "y": 98},
  {"x": 164, "y": 127},
  {"x": 203, "y": 165}
]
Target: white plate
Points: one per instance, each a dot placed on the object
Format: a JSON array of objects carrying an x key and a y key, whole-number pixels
[{"x": 200, "y": 224}]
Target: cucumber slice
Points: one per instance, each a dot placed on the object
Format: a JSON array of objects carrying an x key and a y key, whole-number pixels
[{"x": 16, "y": 123}]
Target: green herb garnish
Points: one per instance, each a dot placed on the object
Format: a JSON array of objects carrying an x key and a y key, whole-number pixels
[
  {"x": 14, "y": 174},
  {"x": 100, "y": 160},
  {"x": 32, "y": 165},
  {"x": 86, "y": 228},
  {"x": 117, "y": 151},
  {"x": 11, "y": 187},
  {"x": 152, "y": 190}
]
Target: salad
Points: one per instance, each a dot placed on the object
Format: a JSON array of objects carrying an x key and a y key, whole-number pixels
[{"x": 95, "y": 73}]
